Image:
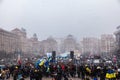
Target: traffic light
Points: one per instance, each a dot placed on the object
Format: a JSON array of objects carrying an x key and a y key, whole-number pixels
[{"x": 72, "y": 54}]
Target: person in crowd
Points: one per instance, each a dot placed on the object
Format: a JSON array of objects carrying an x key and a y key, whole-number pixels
[
  {"x": 15, "y": 73},
  {"x": 93, "y": 71},
  {"x": 87, "y": 71},
  {"x": 118, "y": 72},
  {"x": 36, "y": 74},
  {"x": 32, "y": 74},
  {"x": 82, "y": 72},
  {"x": 103, "y": 73},
  {"x": 111, "y": 75},
  {"x": 59, "y": 72},
  {"x": 78, "y": 71}
]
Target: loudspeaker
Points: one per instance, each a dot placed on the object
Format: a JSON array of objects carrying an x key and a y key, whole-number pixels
[
  {"x": 71, "y": 54},
  {"x": 53, "y": 54}
]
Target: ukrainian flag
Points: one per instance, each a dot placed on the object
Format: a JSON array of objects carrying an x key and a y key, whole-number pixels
[
  {"x": 41, "y": 63},
  {"x": 110, "y": 74}
]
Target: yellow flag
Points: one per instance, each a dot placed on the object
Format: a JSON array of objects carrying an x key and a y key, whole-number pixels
[
  {"x": 41, "y": 63},
  {"x": 88, "y": 70}
]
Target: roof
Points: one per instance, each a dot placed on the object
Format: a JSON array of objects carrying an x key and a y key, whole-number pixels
[{"x": 16, "y": 29}]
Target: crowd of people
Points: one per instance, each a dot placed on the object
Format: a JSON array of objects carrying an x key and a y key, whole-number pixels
[{"x": 61, "y": 71}]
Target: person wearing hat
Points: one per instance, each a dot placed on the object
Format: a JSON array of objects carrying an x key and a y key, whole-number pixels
[
  {"x": 31, "y": 73},
  {"x": 103, "y": 73},
  {"x": 88, "y": 71},
  {"x": 82, "y": 72},
  {"x": 36, "y": 75},
  {"x": 15, "y": 73}
]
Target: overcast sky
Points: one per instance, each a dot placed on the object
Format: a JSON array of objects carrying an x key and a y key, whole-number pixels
[{"x": 81, "y": 18}]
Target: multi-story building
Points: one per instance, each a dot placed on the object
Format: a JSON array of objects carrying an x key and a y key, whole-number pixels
[
  {"x": 22, "y": 38},
  {"x": 29, "y": 46},
  {"x": 117, "y": 46},
  {"x": 34, "y": 45},
  {"x": 69, "y": 44},
  {"x": 107, "y": 43},
  {"x": 48, "y": 45},
  {"x": 59, "y": 43},
  {"x": 17, "y": 40},
  {"x": 117, "y": 34},
  {"x": 90, "y": 45},
  {"x": 9, "y": 42}
]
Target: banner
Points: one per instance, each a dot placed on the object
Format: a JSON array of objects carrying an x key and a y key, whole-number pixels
[
  {"x": 19, "y": 59},
  {"x": 49, "y": 55}
]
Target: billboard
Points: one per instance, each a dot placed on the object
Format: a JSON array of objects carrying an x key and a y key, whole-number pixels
[{"x": 49, "y": 54}]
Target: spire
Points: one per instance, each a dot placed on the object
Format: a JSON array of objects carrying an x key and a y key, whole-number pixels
[
  {"x": 23, "y": 30},
  {"x": 35, "y": 36}
]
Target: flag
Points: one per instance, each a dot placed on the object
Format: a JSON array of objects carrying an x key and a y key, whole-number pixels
[
  {"x": 46, "y": 63},
  {"x": 37, "y": 63},
  {"x": 19, "y": 59},
  {"x": 41, "y": 63},
  {"x": 50, "y": 59}
]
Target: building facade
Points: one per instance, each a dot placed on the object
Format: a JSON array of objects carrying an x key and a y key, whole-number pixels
[
  {"x": 17, "y": 41},
  {"x": 34, "y": 45},
  {"x": 107, "y": 43},
  {"x": 22, "y": 38},
  {"x": 69, "y": 44},
  {"x": 48, "y": 45},
  {"x": 9, "y": 42},
  {"x": 117, "y": 34},
  {"x": 90, "y": 45},
  {"x": 29, "y": 46}
]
